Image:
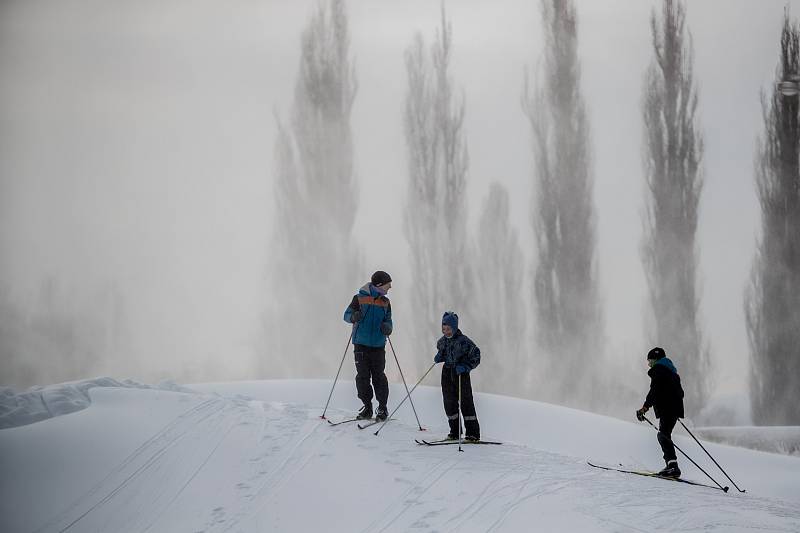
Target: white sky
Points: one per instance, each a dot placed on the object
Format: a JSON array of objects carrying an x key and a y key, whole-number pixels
[{"x": 136, "y": 149}]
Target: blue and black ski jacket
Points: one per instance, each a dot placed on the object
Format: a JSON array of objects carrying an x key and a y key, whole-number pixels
[
  {"x": 457, "y": 350},
  {"x": 376, "y": 317}
]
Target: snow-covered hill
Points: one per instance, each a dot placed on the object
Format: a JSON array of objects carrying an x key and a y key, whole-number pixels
[{"x": 256, "y": 457}]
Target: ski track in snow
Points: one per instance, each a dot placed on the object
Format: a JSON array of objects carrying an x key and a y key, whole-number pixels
[
  {"x": 168, "y": 452},
  {"x": 268, "y": 477},
  {"x": 237, "y": 465}
]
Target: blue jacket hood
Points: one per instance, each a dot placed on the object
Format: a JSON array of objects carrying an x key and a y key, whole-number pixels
[
  {"x": 369, "y": 290},
  {"x": 665, "y": 361}
]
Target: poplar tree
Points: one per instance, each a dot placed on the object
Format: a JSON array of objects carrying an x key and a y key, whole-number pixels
[
  {"x": 673, "y": 151},
  {"x": 314, "y": 262},
  {"x": 435, "y": 215},
  {"x": 771, "y": 301},
  {"x": 568, "y": 314}
]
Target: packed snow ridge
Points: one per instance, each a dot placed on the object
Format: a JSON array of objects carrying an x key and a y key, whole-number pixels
[
  {"x": 257, "y": 457},
  {"x": 40, "y": 403}
]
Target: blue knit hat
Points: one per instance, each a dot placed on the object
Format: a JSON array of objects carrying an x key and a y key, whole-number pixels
[{"x": 451, "y": 319}]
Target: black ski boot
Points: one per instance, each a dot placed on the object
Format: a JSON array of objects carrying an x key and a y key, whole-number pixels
[
  {"x": 472, "y": 438},
  {"x": 365, "y": 413},
  {"x": 382, "y": 413},
  {"x": 452, "y": 436},
  {"x": 671, "y": 470}
]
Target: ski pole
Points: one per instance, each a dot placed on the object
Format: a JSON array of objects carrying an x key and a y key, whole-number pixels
[
  {"x": 709, "y": 455},
  {"x": 404, "y": 399},
  {"x": 724, "y": 489},
  {"x": 459, "y": 413},
  {"x": 405, "y": 385},
  {"x": 322, "y": 416}
]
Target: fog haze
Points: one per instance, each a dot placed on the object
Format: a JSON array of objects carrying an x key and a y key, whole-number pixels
[{"x": 136, "y": 167}]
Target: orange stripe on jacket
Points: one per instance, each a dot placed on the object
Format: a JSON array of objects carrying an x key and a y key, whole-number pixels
[{"x": 369, "y": 300}]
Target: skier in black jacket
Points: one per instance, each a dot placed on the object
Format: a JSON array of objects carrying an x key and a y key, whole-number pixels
[
  {"x": 666, "y": 399},
  {"x": 459, "y": 355}
]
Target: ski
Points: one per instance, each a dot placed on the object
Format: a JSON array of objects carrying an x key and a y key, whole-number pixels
[
  {"x": 655, "y": 474},
  {"x": 450, "y": 441},
  {"x": 372, "y": 423},
  {"x": 345, "y": 421}
]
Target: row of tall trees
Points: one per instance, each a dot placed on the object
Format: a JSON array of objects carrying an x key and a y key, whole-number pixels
[
  {"x": 569, "y": 321},
  {"x": 484, "y": 278}
]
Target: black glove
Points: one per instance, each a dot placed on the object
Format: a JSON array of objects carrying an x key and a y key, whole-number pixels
[
  {"x": 386, "y": 328},
  {"x": 355, "y": 316},
  {"x": 640, "y": 414}
]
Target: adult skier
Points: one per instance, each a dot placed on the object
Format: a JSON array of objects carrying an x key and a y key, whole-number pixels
[
  {"x": 371, "y": 315},
  {"x": 666, "y": 399},
  {"x": 459, "y": 355}
]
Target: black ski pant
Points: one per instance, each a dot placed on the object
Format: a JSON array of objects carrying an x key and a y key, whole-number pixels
[
  {"x": 370, "y": 364},
  {"x": 665, "y": 426},
  {"x": 450, "y": 397}
]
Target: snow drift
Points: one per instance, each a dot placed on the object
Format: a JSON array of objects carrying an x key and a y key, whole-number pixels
[{"x": 40, "y": 403}]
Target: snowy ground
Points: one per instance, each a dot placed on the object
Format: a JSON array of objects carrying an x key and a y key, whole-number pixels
[{"x": 256, "y": 457}]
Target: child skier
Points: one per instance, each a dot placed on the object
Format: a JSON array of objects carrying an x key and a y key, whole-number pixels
[
  {"x": 459, "y": 355},
  {"x": 666, "y": 398},
  {"x": 371, "y": 315}
]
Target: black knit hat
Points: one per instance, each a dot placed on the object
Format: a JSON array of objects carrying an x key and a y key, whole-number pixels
[
  {"x": 381, "y": 278},
  {"x": 656, "y": 353}
]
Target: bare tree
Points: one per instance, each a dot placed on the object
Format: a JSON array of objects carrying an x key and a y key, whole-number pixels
[
  {"x": 673, "y": 152},
  {"x": 771, "y": 301},
  {"x": 568, "y": 313},
  {"x": 315, "y": 202},
  {"x": 498, "y": 293},
  {"x": 435, "y": 216}
]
